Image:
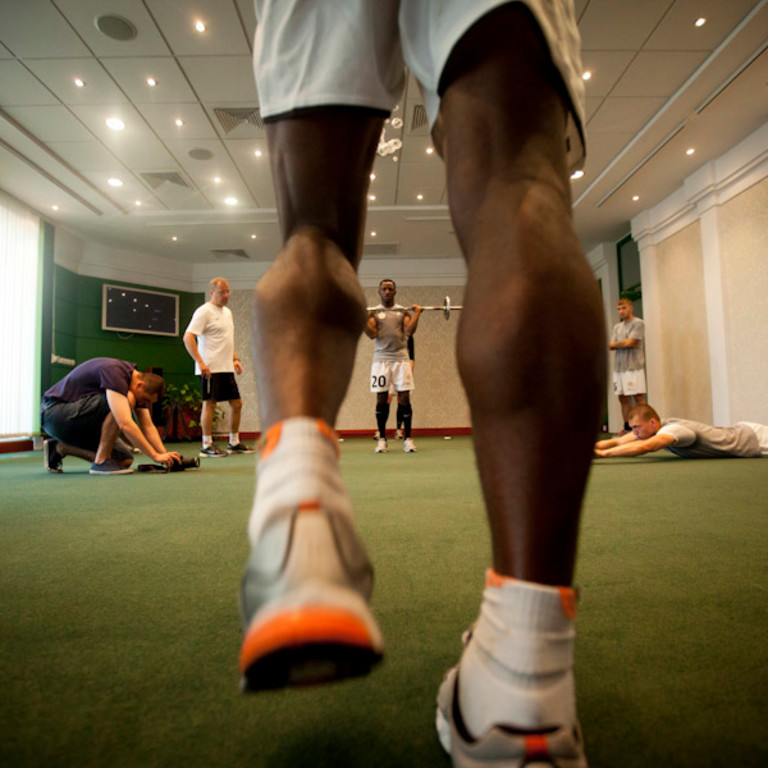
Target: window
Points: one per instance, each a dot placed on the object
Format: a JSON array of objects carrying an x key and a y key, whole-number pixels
[{"x": 19, "y": 319}]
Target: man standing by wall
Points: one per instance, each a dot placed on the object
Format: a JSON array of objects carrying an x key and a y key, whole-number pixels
[
  {"x": 627, "y": 341},
  {"x": 210, "y": 340}
]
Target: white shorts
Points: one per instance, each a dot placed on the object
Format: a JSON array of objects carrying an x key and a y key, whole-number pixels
[
  {"x": 316, "y": 53},
  {"x": 397, "y": 373},
  {"x": 629, "y": 383}
]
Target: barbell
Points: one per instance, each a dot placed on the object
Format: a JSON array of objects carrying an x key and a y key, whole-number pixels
[{"x": 445, "y": 308}]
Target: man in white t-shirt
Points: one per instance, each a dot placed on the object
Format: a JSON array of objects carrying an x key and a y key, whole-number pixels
[
  {"x": 210, "y": 340},
  {"x": 690, "y": 439}
]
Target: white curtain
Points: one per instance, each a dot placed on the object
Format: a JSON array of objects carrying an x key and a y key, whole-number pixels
[{"x": 19, "y": 324}]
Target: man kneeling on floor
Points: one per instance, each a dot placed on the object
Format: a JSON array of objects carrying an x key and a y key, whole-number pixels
[
  {"x": 690, "y": 439},
  {"x": 87, "y": 410}
]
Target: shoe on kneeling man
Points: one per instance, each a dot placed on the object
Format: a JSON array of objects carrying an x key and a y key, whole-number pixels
[{"x": 109, "y": 467}]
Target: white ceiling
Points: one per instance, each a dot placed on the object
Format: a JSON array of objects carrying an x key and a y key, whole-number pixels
[{"x": 659, "y": 86}]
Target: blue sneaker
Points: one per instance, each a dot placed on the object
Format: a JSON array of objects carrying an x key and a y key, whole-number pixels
[{"x": 110, "y": 467}]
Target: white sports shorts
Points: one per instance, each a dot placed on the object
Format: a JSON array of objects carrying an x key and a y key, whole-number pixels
[
  {"x": 392, "y": 372},
  {"x": 629, "y": 383},
  {"x": 316, "y": 53}
]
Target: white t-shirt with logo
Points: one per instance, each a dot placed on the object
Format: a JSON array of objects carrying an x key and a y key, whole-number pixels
[{"x": 215, "y": 331}]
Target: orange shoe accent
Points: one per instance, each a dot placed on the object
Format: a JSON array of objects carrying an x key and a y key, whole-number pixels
[
  {"x": 270, "y": 440},
  {"x": 493, "y": 579},
  {"x": 536, "y": 748},
  {"x": 303, "y": 626},
  {"x": 327, "y": 431},
  {"x": 309, "y": 505},
  {"x": 568, "y": 601}
]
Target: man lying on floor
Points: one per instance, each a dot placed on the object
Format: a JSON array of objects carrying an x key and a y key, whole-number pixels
[
  {"x": 87, "y": 410},
  {"x": 690, "y": 439}
]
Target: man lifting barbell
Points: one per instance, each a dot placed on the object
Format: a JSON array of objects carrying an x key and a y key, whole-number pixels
[{"x": 390, "y": 325}]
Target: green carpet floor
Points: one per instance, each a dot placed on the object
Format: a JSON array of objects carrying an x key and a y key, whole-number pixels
[{"x": 119, "y": 631}]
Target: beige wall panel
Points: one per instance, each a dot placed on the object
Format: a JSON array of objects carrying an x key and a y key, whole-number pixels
[
  {"x": 743, "y": 225},
  {"x": 438, "y": 400},
  {"x": 685, "y": 344}
]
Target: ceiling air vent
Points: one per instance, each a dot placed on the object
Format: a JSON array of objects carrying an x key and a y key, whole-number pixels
[
  {"x": 222, "y": 253},
  {"x": 231, "y": 117},
  {"x": 419, "y": 122},
  {"x": 381, "y": 249},
  {"x": 156, "y": 179}
]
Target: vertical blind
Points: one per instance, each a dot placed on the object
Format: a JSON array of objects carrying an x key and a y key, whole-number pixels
[{"x": 19, "y": 326}]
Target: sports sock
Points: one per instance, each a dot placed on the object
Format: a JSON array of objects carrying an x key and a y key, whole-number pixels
[
  {"x": 207, "y": 440},
  {"x": 298, "y": 462},
  {"x": 517, "y": 669},
  {"x": 627, "y": 428},
  {"x": 234, "y": 438},
  {"x": 382, "y": 414},
  {"x": 407, "y": 418}
]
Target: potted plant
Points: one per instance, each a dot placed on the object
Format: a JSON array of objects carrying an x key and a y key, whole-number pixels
[{"x": 183, "y": 406}]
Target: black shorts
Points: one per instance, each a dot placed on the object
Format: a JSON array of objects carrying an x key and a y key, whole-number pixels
[
  {"x": 219, "y": 387},
  {"x": 80, "y": 424}
]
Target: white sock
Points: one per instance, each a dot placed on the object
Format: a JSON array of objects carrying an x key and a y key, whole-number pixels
[
  {"x": 207, "y": 440},
  {"x": 234, "y": 438},
  {"x": 298, "y": 463},
  {"x": 517, "y": 669}
]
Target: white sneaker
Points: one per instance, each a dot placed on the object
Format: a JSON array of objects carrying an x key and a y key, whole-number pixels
[
  {"x": 381, "y": 446},
  {"x": 408, "y": 446},
  {"x": 304, "y": 602},
  {"x": 510, "y": 701}
]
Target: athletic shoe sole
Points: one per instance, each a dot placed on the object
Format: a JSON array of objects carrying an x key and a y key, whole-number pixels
[
  {"x": 500, "y": 747},
  {"x": 304, "y": 597}
]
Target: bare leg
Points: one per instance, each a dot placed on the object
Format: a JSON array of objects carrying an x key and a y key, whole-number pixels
[
  {"x": 235, "y": 410},
  {"x": 309, "y": 309},
  {"x": 532, "y": 318},
  {"x": 308, "y": 578},
  {"x": 206, "y": 416},
  {"x": 109, "y": 433}
]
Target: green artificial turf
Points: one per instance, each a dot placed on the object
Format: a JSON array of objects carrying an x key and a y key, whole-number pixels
[{"x": 119, "y": 631}]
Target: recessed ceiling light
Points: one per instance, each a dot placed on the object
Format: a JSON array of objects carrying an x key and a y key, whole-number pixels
[
  {"x": 79, "y": 82},
  {"x": 700, "y": 22},
  {"x": 200, "y": 26},
  {"x": 253, "y": 237},
  {"x": 115, "y": 182},
  {"x": 689, "y": 151},
  {"x": 115, "y": 123},
  {"x": 179, "y": 122},
  {"x": 174, "y": 238},
  {"x": 373, "y": 177},
  {"x": 151, "y": 82},
  {"x": 373, "y": 234},
  {"x": 635, "y": 197},
  {"x": 230, "y": 200},
  {"x": 55, "y": 207},
  {"x": 429, "y": 150},
  {"x": 217, "y": 179},
  {"x": 577, "y": 175},
  {"x": 371, "y": 197},
  {"x": 586, "y": 75},
  {"x": 138, "y": 203},
  {"x": 257, "y": 153},
  {"x": 419, "y": 196}
]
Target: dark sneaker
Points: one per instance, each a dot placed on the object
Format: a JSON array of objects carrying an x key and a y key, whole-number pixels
[
  {"x": 211, "y": 452},
  {"x": 110, "y": 467},
  {"x": 52, "y": 459},
  {"x": 240, "y": 448}
]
